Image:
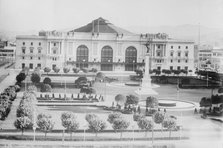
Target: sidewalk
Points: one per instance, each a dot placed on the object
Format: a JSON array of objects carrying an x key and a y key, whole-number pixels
[{"x": 9, "y": 80}]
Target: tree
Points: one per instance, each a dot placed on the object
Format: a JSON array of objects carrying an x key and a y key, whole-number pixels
[
  {"x": 75, "y": 70},
  {"x": 120, "y": 124},
  {"x": 47, "y": 70},
  {"x": 97, "y": 125},
  {"x": 11, "y": 93},
  {"x": 132, "y": 100},
  {"x": 151, "y": 102},
  {"x": 145, "y": 124},
  {"x": 32, "y": 88},
  {"x": 90, "y": 117},
  {"x": 35, "y": 78},
  {"x": 69, "y": 122},
  {"x": 23, "y": 123},
  {"x": 120, "y": 99},
  {"x": 47, "y": 80},
  {"x": 45, "y": 88},
  {"x": 100, "y": 76},
  {"x": 113, "y": 116},
  {"x": 170, "y": 124},
  {"x": 56, "y": 70},
  {"x": 45, "y": 123},
  {"x": 66, "y": 69},
  {"x": 158, "y": 118},
  {"x": 20, "y": 77},
  {"x": 137, "y": 117}
]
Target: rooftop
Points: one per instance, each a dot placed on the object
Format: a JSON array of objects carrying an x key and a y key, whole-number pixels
[{"x": 101, "y": 25}]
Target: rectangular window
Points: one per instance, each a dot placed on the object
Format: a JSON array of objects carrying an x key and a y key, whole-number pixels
[
  {"x": 171, "y": 47},
  {"x": 39, "y": 43},
  {"x": 23, "y": 50},
  {"x": 186, "y": 68},
  {"x": 178, "y": 67},
  {"x": 178, "y": 61},
  {"x": 159, "y": 68},
  {"x": 186, "y": 47},
  {"x": 39, "y": 58},
  {"x": 178, "y": 47},
  {"x": 171, "y": 67},
  {"x": 23, "y": 58},
  {"x": 23, "y": 65},
  {"x": 23, "y": 43},
  {"x": 39, "y": 65},
  {"x": 31, "y": 58},
  {"x": 54, "y": 51},
  {"x": 158, "y": 46},
  {"x": 179, "y": 54},
  {"x": 171, "y": 54},
  {"x": 31, "y": 50},
  {"x": 186, "y": 54},
  {"x": 54, "y": 44},
  {"x": 39, "y": 50},
  {"x": 31, "y": 65},
  {"x": 171, "y": 61},
  {"x": 31, "y": 43},
  {"x": 186, "y": 61}
]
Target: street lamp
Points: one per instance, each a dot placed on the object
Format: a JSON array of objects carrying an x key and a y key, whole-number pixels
[
  {"x": 133, "y": 64},
  {"x": 85, "y": 132}
]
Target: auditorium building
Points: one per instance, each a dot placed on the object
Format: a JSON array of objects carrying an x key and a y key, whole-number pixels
[{"x": 103, "y": 46}]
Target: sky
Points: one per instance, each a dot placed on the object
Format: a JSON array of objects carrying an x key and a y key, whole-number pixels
[{"x": 24, "y": 15}]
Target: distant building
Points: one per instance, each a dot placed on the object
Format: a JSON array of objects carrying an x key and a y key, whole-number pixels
[
  {"x": 7, "y": 51},
  {"x": 217, "y": 59},
  {"x": 103, "y": 46}
]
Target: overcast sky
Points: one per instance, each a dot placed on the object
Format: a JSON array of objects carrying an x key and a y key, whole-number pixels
[{"x": 24, "y": 15}]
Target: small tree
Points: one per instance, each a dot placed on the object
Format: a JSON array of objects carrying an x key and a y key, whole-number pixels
[
  {"x": 47, "y": 80},
  {"x": 35, "y": 78},
  {"x": 90, "y": 117},
  {"x": 97, "y": 125},
  {"x": 47, "y": 70},
  {"x": 145, "y": 124},
  {"x": 170, "y": 124},
  {"x": 45, "y": 88},
  {"x": 151, "y": 102},
  {"x": 120, "y": 99},
  {"x": 100, "y": 76},
  {"x": 113, "y": 116},
  {"x": 66, "y": 69},
  {"x": 132, "y": 100},
  {"x": 69, "y": 122},
  {"x": 20, "y": 77},
  {"x": 137, "y": 117},
  {"x": 45, "y": 123},
  {"x": 75, "y": 70},
  {"x": 158, "y": 118},
  {"x": 23, "y": 123},
  {"x": 32, "y": 88},
  {"x": 56, "y": 70},
  {"x": 120, "y": 124}
]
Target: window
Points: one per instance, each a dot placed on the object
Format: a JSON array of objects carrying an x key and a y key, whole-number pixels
[
  {"x": 130, "y": 58},
  {"x": 82, "y": 56},
  {"x": 178, "y": 67},
  {"x": 23, "y": 58},
  {"x": 178, "y": 61},
  {"x": 107, "y": 58},
  {"x": 23, "y": 65},
  {"x": 38, "y": 58},
  {"x": 54, "y": 44},
  {"x": 179, "y": 54},
  {"x": 39, "y": 50},
  {"x": 159, "y": 68},
  {"x": 158, "y": 46},
  {"x": 31, "y": 65},
  {"x": 171, "y": 67},
  {"x": 171, "y": 61},
  {"x": 31, "y": 50},
  {"x": 171, "y": 47},
  {"x": 54, "y": 51},
  {"x": 186, "y": 47},
  {"x": 31, "y": 43},
  {"x": 186, "y": 61},
  {"x": 171, "y": 54},
  {"x": 186, "y": 67},
  {"x": 23, "y": 43},
  {"x": 39, "y": 65},
  {"x": 24, "y": 50},
  {"x": 178, "y": 47},
  {"x": 69, "y": 59},
  {"x": 39, "y": 43},
  {"x": 31, "y": 58},
  {"x": 158, "y": 54},
  {"x": 186, "y": 54}
]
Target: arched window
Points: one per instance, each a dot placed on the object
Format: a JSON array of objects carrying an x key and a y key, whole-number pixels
[
  {"x": 82, "y": 56},
  {"x": 130, "y": 58},
  {"x": 106, "y": 58}
]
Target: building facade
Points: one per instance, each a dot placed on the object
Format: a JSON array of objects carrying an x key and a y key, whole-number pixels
[
  {"x": 103, "y": 46},
  {"x": 7, "y": 51}
]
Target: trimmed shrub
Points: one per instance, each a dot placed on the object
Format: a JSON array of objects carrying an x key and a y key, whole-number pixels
[
  {"x": 35, "y": 78},
  {"x": 47, "y": 70},
  {"x": 20, "y": 77},
  {"x": 137, "y": 117},
  {"x": 47, "y": 80},
  {"x": 113, "y": 116},
  {"x": 45, "y": 123}
]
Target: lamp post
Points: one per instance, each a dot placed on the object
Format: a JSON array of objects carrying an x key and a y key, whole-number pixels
[
  {"x": 85, "y": 132},
  {"x": 133, "y": 65}
]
